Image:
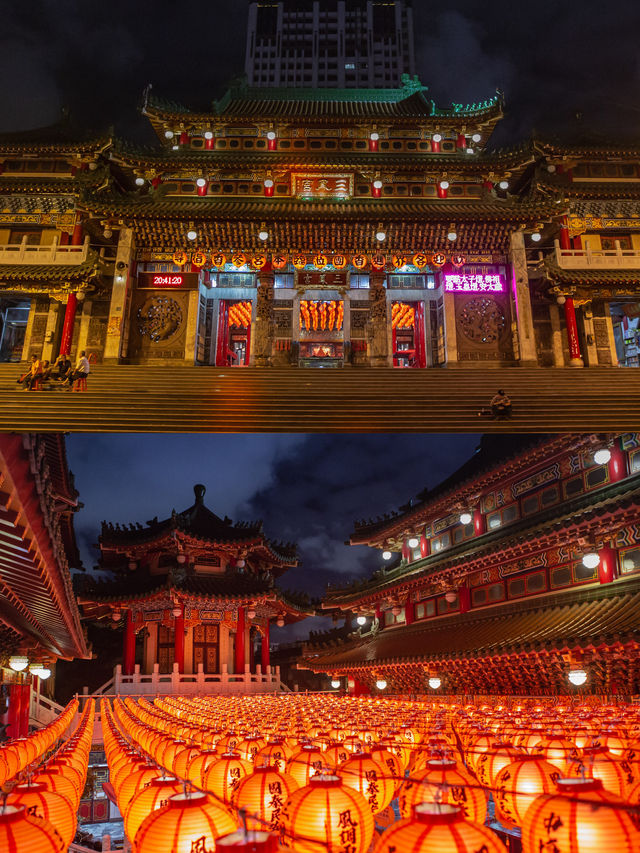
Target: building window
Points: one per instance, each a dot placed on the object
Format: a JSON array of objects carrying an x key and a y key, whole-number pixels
[
  {"x": 630, "y": 561},
  {"x": 205, "y": 648},
  {"x": 283, "y": 280},
  {"x": 359, "y": 281}
]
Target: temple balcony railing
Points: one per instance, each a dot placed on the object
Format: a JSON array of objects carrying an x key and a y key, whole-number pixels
[
  {"x": 192, "y": 684},
  {"x": 53, "y": 253},
  {"x": 42, "y": 710},
  {"x": 587, "y": 258}
]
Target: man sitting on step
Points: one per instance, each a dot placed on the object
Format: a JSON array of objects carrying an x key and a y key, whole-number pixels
[{"x": 81, "y": 370}]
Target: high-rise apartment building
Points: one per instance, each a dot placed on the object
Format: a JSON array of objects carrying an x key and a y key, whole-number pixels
[{"x": 330, "y": 43}]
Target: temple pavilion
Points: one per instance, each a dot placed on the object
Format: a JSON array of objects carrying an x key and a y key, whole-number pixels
[
  {"x": 195, "y": 596},
  {"x": 519, "y": 574}
]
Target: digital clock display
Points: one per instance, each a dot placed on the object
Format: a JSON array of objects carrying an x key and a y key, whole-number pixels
[
  {"x": 172, "y": 280},
  {"x": 168, "y": 280}
]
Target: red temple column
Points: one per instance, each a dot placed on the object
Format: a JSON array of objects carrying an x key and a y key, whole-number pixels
[
  {"x": 608, "y": 568},
  {"x": 409, "y": 613},
  {"x": 24, "y": 709},
  {"x": 617, "y": 464},
  {"x": 575, "y": 356},
  {"x": 64, "y": 238},
  {"x": 265, "y": 652},
  {"x": 464, "y": 597},
  {"x": 67, "y": 328},
  {"x": 14, "y": 712},
  {"x": 425, "y": 548},
  {"x": 479, "y": 522},
  {"x": 239, "y": 660},
  {"x": 77, "y": 236},
  {"x": 129, "y": 648},
  {"x": 178, "y": 641},
  {"x": 565, "y": 240}
]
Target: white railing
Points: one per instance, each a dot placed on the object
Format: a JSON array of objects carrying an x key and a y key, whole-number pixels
[
  {"x": 197, "y": 683},
  {"x": 21, "y": 253},
  {"x": 587, "y": 258},
  {"x": 42, "y": 710}
]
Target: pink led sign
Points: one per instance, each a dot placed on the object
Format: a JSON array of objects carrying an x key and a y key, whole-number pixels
[{"x": 461, "y": 283}]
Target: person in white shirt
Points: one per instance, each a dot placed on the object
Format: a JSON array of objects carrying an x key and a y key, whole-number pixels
[{"x": 81, "y": 370}]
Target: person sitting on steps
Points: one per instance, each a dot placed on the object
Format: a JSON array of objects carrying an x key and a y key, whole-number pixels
[
  {"x": 61, "y": 368},
  {"x": 34, "y": 372},
  {"x": 500, "y": 406},
  {"x": 81, "y": 370}
]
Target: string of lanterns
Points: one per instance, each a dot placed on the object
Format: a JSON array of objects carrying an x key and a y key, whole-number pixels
[
  {"x": 316, "y": 770},
  {"x": 377, "y": 261}
]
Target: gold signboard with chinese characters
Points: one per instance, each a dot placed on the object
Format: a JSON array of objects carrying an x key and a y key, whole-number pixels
[
  {"x": 323, "y": 187},
  {"x": 581, "y": 224}
]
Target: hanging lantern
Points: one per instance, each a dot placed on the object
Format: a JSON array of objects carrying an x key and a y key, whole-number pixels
[
  {"x": 21, "y": 832},
  {"x": 490, "y": 762},
  {"x": 359, "y": 261},
  {"x": 245, "y": 841},
  {"x": 327, "y": 815},
  {"x": 339, "y": 261},
  {"x": 262, "y": 794},
  {"x": 190, "y": 821},
  {"x": 445, "y": 782},
  {"x": 199, "y": 259},
  {"x": 198, "y": 766},
  {"x": 458, "y": 260},
  {"x": 272, "y": 141},
  {"x": 203, "y": 186},
  {"x": 581, "y": 817},
  {"x": 378, "y": 261},
  {"x": 299, "y": 261},
  {"x": 180, "y": 258},
  {"x": 268, "y": 187},
  {"x": 274, "y": 754},
  {"x": 258, "y": 261},
  {"x": 615, "y": 774},
  {"x": 279, "y": 262},
  {"x": 305, "y": 763},
  {"x": 49, "y": 805},
  {"x": 436, "y": 141},
  {"x": 438, "y": 259},
  {"x": 518, "y": 784},
  {"x": 135, "y": 782},
  {"x": 438, "y": 827},
  {"x": 374, "y": 141},
  {"x": 420, "y": 260},
  {"x": 60, "y": 784},
  {"x": 218, "y": 260},
  {"x": 280, "y": 621},
  {"x": 376, "y": 188},
  {"x": 238, "y": 259},
  {"x": 320, "y": 261},
  {"x": 399, "y": 261},
  {"x": 147, "y": 800},
  {"x": 363, "y": 773},
  {"x": 443, "y": 189},
  {"x": 223, "y": 776}
]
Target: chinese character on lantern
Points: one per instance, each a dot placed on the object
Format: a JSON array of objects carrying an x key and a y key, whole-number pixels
[
  {"x": 359, "y": 261},
  {"x": 279, "y": 262},
  {"x": 238, "y": 260},
  {"x": 299, "y": 261},
  {"x": 199, "y": 259},
  {"x": 218, "y": 260},
  {"x": 180, "y": 258},
  {"x": 320, "y": 260},
  {"x": 420, "y": 260},
  {"x": 339, "y": 261},
  {"x": 438, "y": 259}
]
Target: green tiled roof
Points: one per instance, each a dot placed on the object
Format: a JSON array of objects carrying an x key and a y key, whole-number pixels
[{"x": 51, "y": 272}]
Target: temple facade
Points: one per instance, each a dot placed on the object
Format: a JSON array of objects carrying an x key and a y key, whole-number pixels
[
  {"x": 519, "y": 574},
  {"x": 194, "y": 596}
]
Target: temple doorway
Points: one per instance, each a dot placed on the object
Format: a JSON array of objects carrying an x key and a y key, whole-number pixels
[
  {"x": 408, "y": 330},
  {"x": 625, "y": 317},
  {"x": 14, "y": 315},
  {"x": 233, "y": 342},
  {"x": 205, "y": 648},
  {"x": 321, "y": 333}
]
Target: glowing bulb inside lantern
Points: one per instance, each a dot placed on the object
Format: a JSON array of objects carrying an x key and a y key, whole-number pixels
[
  {"x": 387, "y": 555},
  {"x": 435, "y": 682},
  {"x": 465, "y": 518},
  {"x": 268, "y": 183},
  {"x": 577, "y": 677},
  {"x": 381, "y": 684},
  {"x": 201, "y": 182},
  {"x": 591, "y": 560},
  {"x": 602, "y": 456}
]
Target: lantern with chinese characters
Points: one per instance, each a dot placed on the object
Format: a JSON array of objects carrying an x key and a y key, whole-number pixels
[
  {"x": 491, "y": 761},
  {"x": 368, "y": 776},
  {"x": 180, "y": 258},
  {"x": 579, "y": 817},
  {"x": 359, "y": 261},
  {"x": 258, "y": 261},
  {"x": 339, "y": 261},
  {"x": 399, "y": 261},
  {"x": 218, "y": 260},
  {"x": 279, "y": 261},
  {"x": 299, "y": 261},
  {"x": 21, "y": 832},
  {"x": 147, "y": 800},
  {"x": 305, "y": 763},
  {"x": 327, "y": 815},
  {"x": 391, "y": 764},
  {"x": 238, "y": 259},
  {"x": 223, "y": 776},
  {"x": 445, "y": 782},
  {"x": 438, "y": 259},
  {"x": 378, "y": 261},
  {"x": 320, "y": 260},
  {"x": 199, "y": 259},
  {"x": 49, "y": 805},
  {"x": 458, "y": 260},
  {"x": 437, "y": 827},
  {"x": 199, "y": 765},
  {"x": 420, "y": 260},
  {"x": 188, "y": 822},
  {"x": 334, "y": 756},
  {"x": 616, "y": 774},
  {"x": 518, "y": 784},
  {"x": 275, "y": 753},
  {"x": 263, "y": 793},
  {"x": 558, "y": 751}
]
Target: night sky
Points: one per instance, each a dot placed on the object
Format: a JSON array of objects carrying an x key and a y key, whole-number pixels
[
  {"x": 306, "y": 488},
  {"x": 563, "y": 66}
]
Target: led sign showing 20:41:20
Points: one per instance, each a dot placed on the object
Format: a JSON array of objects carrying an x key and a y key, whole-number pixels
[
  {"x": 461, "y": 283},
  {"x": 161, "y": 280}
]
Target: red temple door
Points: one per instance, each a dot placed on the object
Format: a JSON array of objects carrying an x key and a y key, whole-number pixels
[
  {"x": 166, "y": 649},
  {"x": 205, "y": 648}
]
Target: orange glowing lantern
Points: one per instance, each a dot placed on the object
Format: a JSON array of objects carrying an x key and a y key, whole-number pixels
[
  {"x": 359, "y": 261},
  {"x": 558, "y": 751},
  {"x": 59, "y": 765},
  {"x": 444, "y": 782},
  {"x": 263, "y": 794},
  {"x": 134, "y": 783},
  {"x": 49, "y": 805},
  {"x": 490, "y": 762},
  {"x": 182, "y": 760},
  {"x": 238, "y": 260},
  {"x": 218, "y": 260},
  {"x": 334, "y": 756},
  {"x": 339, "y": 261},
  {"x": 327, "y": 815},
  {"x": 320, "y": 260},
  {"x": 299, "y": 261},
  {"x": 60, "y": 784},
  {"x": 518, "y": 784},
  {"x": 305, "y": 763},
  {"x": 580, "y": 817},
  {"x": 147, "y": 800},
  {"x": 188, "y": 822},
  {"x": 442, "y": 828},
  {"x": 199, "y": 765},
  {"x": 21, "y": 832},
  {"x": 363, "y": 773},
  {"x": 275, "y": 753},
  {"x": 279, "y": 261},
  {"x": 616, "y": 774},
  {"x": 390, "y": 763},
  {"x": 223, "y": 776}
]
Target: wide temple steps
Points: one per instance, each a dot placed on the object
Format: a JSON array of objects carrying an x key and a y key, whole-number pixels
[{"x": 127, "y": 398}]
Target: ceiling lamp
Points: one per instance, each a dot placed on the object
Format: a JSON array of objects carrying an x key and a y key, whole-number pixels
[
  {"x": 450, "y": 596},
  {"x": 435, "y": 682},
  {"x": 437, "y": 137},
  {"x": 591, "y": 560},
  {"x": 140, "y": 182},
  {"x": 465, "y": 517},
  {"x": 504, "y": 185},
  {"x": 469, "y": 150},
  {"x": 175, "y": 147},
  {"x": 536, "y": 236},
  {"x": 476, "y": 137},
  {"x": 201, "y": 182},
  {"x": 387, "y": 555},
  {"x": 335, "y": 683},
  {"x": 577, "y": 677},
  {"x": 361, "y": 620},
  {"x": 413, "y": 542},
  {"x": 168, "y": 134},
  {"x": 444, "y": 185},
  {"x": 280, "y": 621},
  {"x": 396, "y": 610},
  {"x": 602, "y": 456},
  {"x": 192, "y": 235},
  {"x": 263, "y": 235},
  {"x": 377, "y": 185},
  {"x": 241, "y": 563},
  {"x": 251, "y": 613},
  {"x": 208, "y": 134},
  {"x": 381, "y": 684},
  {"x": 452, "y": 236},
  {"x": 177, "y": 611},
  {"x": 381, "y": 236},
  {"x": 374, "y": 137},
  {"x": 271, "y": 135},
  {"x": 18, "y": 662}
]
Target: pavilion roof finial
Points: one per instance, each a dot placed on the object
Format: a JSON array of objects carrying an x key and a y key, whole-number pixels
[{"x": 199, "y": 491}]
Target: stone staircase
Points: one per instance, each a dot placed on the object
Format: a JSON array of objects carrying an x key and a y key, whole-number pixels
[{"x": 128, "y": 398}]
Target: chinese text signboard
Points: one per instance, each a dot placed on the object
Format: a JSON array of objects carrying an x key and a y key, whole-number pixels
[
  {"x": 463, "y": 283},
  {"x": 313, "y": 280},
  {"x": 323, "y": 186}
]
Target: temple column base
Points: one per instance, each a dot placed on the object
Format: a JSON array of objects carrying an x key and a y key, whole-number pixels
[{"x": 576, "y": 362}]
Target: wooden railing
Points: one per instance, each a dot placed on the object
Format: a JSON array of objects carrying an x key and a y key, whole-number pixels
[
  {"x": 22, "y": 253},
  {"x": 588, "y": 258}
]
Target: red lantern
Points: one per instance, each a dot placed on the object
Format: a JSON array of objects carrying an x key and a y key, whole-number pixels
[
  {"x": 203, "y": 186},
  {"x": 188, "y": 822},
  {"x": 359, "y": 261},
  {"x": 376, "y": 188},
  {"x": 269, "y": 187},
  {"x": 279, "y": 262},
  {"x": 437, "y": 827},
  {"x": 299, "y": 261},
  {"x": 21, "y": 832},
  {"x": 238, "y": 260},
  {"x": 180, "y": 258},
  {"x": 420, "y": 260},
  {"x": 44, "y": 803},
  {"x": 378, "y": 261},
  {"x": 439, "y": 259},
  {"x": 262, "y": 794},
  {"x": 518, "y": 784},
  {"x": 339, "y": 261},
  {"x": 444, "y": 781}
]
